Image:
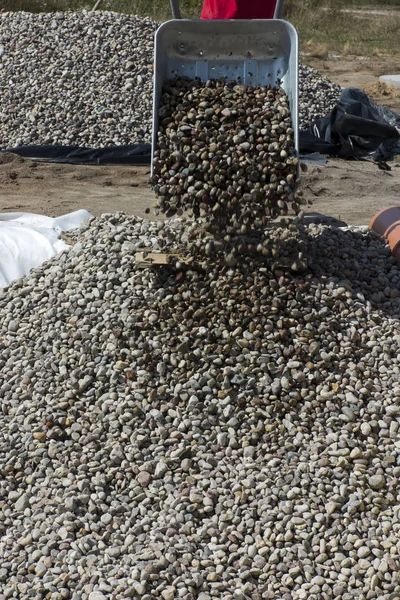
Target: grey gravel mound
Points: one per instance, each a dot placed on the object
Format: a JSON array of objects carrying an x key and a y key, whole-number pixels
[
  {"x": 86, "y": 79},
  {"x": 204, "y": 433},
  {"x": 318, "y": 96},
  {"x": 75, "y": 78}
]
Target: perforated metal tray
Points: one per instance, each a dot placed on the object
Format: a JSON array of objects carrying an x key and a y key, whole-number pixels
[{"x": 258, "y": 52}]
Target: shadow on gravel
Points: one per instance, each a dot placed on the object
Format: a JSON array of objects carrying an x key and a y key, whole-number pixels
[{"x": 360, "y": 260}]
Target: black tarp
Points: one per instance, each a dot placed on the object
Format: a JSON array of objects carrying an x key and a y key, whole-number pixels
[
  {"x": 137, "y": 154},
  {"x": 356, "y": 128}
]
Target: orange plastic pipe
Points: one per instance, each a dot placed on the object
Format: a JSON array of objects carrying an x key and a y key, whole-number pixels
[
  {"x": 387, "y": 224},
  {"x": 384, "y": 219},
  {"x": 393, "y": 239}
]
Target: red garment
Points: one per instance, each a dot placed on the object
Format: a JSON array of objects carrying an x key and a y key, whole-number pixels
[{"x": 238, "y": 9}]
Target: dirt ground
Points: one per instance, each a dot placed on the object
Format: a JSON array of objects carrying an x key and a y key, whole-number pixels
[{"x": 350, "y": 190}]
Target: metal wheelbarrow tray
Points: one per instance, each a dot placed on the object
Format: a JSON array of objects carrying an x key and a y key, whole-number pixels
[{"x": 256, "y": 52}]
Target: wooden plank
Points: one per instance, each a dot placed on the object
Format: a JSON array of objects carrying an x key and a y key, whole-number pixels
[
  {"x": 149, "y": 259},
  {"x": 145, "y": 258}
]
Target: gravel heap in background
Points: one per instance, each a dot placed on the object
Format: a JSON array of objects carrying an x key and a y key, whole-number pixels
[
  {"x": 318, "y": 96},
  {"x": 75, "y": 78},
  {"x": 86, "y": 79},
  {"x": 225, "y": 152},
  {"x": 220, "y": 433}
]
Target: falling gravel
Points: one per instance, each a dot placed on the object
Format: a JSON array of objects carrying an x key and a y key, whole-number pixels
[
  {"x": 201, "y": 432},
  {"x": 225, "y": 152},
  {"x": 86, "y": 79}
]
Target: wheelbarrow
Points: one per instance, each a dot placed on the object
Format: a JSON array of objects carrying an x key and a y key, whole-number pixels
[{"x": 254, "y": 52}]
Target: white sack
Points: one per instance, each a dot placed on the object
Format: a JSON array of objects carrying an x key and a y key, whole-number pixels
[{"x": 28, "y": 240}]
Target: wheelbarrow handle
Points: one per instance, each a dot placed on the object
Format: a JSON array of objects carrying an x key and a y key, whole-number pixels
[
  {"x": 176, "y": 11},
  {"x": 278, "y": 9}
]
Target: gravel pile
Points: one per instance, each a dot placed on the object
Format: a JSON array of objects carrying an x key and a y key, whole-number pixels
[
  {"x": 75, "y": 78},
  {"x": 203, "y": 433},
  {"x": 318, "y": 96},
  {"x": 225, "y": 152},
  {"x": 86, "y": 79}
]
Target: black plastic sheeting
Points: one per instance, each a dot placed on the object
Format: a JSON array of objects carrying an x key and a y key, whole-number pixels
[
  {"x": 138, "y": 154},
  {"x": 356, "y": 128}
]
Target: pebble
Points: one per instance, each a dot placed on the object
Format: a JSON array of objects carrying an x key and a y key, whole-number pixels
[
  {"x": 365, "y": 429},
  {"x": 331, "y": 508},
  {"x": 377, "y": 482},
  {"x": 97, "y": 596},
  {"x": 144, "y": 478},
  {"x": 22, "y": 503},
  {"x": 363, "y": 551},
  {"x": 13, "y": 326},
  {"x": 168, "y": 593},
  {"x": 40, "y": 569}
]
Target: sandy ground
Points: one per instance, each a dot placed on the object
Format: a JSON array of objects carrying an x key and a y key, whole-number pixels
[
  {"x": 361, "y": 72},
  {"x": 350, "y": 190}
]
